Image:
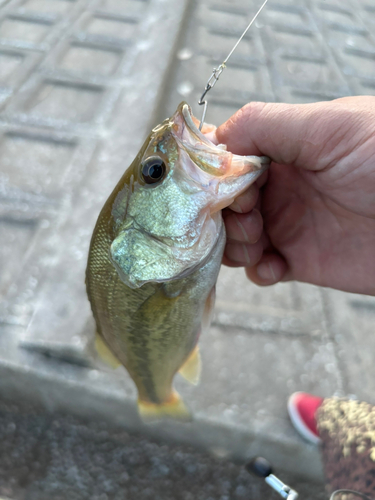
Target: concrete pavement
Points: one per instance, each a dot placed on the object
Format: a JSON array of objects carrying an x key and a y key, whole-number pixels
[{"x": 81, "y": 84}]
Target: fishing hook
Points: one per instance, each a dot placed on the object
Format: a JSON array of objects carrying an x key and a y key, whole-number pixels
[{"x": 217, "y": 71}]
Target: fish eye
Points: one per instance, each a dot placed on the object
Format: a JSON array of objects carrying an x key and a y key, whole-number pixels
[{"x": 153, "y": 170}]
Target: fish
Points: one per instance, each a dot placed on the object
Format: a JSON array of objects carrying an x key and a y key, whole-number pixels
[{"x": 155, "y": 255}]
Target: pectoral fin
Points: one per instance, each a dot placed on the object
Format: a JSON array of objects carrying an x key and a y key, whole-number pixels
[
  {"x": 104, "y": 352},
  {"x": 191, "y": 369},
  {"x": 173, "y": 408}
]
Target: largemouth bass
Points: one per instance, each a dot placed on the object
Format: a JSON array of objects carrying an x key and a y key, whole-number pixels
[{"x": 155, "y": 255}]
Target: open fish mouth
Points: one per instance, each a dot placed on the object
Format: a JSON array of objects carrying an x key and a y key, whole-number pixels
[
  {"x": 191, "y": 122},
  {"x": 210, "y": 158}
]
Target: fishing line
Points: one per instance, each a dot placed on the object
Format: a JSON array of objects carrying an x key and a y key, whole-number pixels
[{"x": 217, "y": 71}]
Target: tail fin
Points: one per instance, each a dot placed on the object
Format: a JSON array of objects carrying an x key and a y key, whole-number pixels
[{"x": 174, "y": 408}]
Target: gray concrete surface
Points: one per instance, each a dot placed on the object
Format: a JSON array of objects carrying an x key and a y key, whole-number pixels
[
  {"x": 60, "y": 457},
  {"x": 81, "y": 83}
]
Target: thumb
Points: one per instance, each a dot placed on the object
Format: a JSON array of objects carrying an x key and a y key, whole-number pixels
[{"x": 310, "y": 136}]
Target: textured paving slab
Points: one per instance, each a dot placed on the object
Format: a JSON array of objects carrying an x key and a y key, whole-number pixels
[
  {"x": 297, "y": 52},
  {"x": 81, "y": 83},
  {"x": 290, "y": 309}
]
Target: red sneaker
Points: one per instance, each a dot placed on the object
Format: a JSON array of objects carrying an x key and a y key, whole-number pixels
[{"x": 302, "y": 408}]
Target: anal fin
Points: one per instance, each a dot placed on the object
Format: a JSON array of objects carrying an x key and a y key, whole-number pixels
[
  {"x": 192, "y": 368},
  {"x": 105, "y": 353}
]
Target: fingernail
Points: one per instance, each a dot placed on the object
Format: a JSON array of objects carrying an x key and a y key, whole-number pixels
[
  {"x": 235, "y": 206},
  {"x": 266, "y": 272}
]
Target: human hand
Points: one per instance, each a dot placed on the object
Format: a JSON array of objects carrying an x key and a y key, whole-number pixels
[{"x": 311, "y": 218}]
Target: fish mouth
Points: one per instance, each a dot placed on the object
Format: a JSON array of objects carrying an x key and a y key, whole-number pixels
[
  {"x": 184, "y": 111},
  {"x": 212, "y": 160},
  {"x": 196, "y": 136},
  {"x": 187, "y": 115}
]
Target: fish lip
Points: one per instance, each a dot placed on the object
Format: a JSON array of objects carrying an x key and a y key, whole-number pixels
[{"x": 189, "y": 122}]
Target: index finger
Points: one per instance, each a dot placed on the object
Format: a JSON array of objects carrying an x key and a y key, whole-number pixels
[{"x": 310, "y": 136}]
